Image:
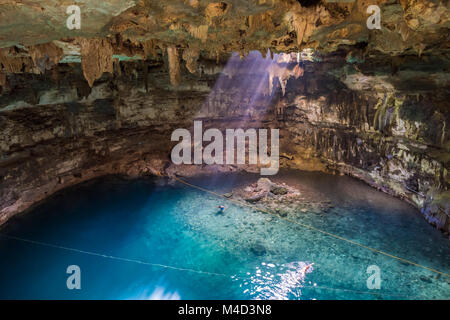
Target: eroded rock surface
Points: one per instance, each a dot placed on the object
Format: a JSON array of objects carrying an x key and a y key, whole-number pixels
[{"x": 280, "y": 199}]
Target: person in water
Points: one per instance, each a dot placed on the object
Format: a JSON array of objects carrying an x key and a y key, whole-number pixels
[{"x": 221, "y": 208}]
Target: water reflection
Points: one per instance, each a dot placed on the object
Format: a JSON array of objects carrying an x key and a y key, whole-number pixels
[
  {"x": 158, "y": 293},
  {"x": 276, "y": 281}
]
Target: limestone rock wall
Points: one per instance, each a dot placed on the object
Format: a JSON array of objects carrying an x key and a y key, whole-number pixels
[{"x": 57, "y": 130}]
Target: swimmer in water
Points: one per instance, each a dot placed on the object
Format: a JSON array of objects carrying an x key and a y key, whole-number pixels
[
  {"x": 221, "y": 208},
  {"x": 306, "y": 269},
  {"x": 302, "y": 274}
]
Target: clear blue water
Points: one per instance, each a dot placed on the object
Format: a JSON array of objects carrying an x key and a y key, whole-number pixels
[{"x": 252, "y": 255}]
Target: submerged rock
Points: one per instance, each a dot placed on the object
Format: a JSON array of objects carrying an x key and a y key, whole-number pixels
[
  {"x": 264, "y": 184},
  {"x": 282, "y": 213},
  {"x": 278, "y": 190},
  {"x": 425, "y": 279},
  {"x": 258, "y": 249},
  {"x": 255, "y": 198}
]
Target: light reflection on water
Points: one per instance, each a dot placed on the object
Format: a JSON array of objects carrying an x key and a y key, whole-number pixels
[
  {"x": 158, "y": 293},
  {"x": 175, "y": 226},
  {"x": 276, "y": 281}
]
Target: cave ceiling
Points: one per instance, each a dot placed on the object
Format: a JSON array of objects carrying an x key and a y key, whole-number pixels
[{"x": 34, "y": 35}]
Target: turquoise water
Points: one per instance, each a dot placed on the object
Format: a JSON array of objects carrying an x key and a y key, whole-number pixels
[{"x": 241, "y": 254}]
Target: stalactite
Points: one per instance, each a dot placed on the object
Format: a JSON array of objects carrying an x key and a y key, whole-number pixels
[
  {"x": 304, "y": 22},
  {"x": 174, "y": 65},
  {"x": 298, "y": 71},
  {"x": 45, "y": 56},
  {"x": 198, "y": 32},
  {"x": 149, "y": 48},
  {"x": 264, "y": 53},
  {"x": 190, "y": 55},
  {"x": 217, "y": 57},
  {"x": 283, "y": 83},
  {"x": 56, "y": 77},
  {"x": 2, "y": 79},
  {"x": 192, "y": 3},
  {"x": 117, "y": 68},
  {"x": 215, "y": 11},
  {"x": 261, "y": 21},
  {"x": 420, "y": 47},
  {"x": 404, "y": 30},
  {"x": 145, "y": 65},
  {"x": 283, "y": 74},
  {"x": 96, "y": 58},
  {"x": 12, "y": 63},
  {"x": 299, "y": 23}
]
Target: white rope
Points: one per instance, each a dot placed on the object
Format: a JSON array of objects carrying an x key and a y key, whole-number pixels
[
  {"x": 113, "y": 257},
  {"x": 240, "y": 203},
  {"x": 182, "y": 269}
]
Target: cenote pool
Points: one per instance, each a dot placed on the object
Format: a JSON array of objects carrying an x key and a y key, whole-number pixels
[{"x": 147, "y": 239}]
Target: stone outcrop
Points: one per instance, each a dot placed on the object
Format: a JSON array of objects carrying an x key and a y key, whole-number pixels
[{"x": 266, "y": 196}]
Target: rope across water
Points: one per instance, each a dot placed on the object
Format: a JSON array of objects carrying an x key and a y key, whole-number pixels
[
  {"x": 240, "y": 203},
  {"x": 164, "y": 266}
]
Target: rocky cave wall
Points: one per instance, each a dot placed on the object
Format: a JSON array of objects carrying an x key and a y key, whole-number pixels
[{"x": 58, "y": 131}]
